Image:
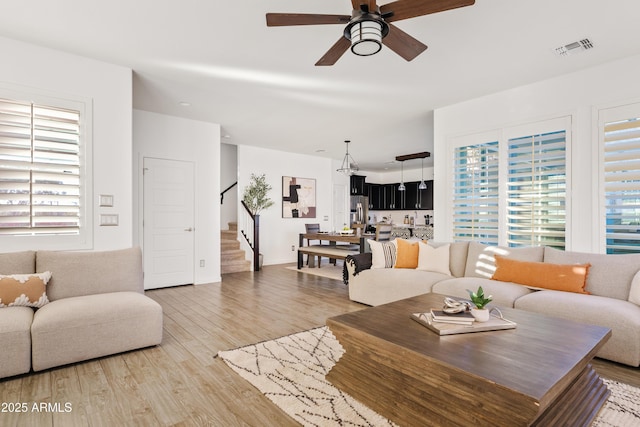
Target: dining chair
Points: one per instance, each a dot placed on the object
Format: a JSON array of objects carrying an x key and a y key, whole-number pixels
[
  {"x": 383, "y": 232},
  {"x": 312, "y": 228}
]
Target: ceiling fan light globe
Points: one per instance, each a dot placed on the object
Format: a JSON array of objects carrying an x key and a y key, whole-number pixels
[{"x": 366, "y": 38}]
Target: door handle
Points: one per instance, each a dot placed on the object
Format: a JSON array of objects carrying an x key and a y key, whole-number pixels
[{"x": 189, "y": 229}]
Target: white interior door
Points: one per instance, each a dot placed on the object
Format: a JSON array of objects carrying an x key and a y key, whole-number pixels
[{"x": 168, "y": 236}]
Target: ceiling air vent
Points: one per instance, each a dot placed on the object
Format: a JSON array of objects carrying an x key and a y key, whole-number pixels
[{"x": 573, "y": 48}]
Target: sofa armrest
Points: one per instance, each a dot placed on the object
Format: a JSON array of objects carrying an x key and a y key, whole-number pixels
[{"x": 354, "y": 264}]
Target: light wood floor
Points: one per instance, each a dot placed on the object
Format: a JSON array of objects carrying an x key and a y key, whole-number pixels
[{"x": 181, "y": 383}]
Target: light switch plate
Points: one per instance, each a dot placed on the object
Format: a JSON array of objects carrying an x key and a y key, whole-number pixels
[
  {"x": 106, "y": 200},
  {"x": 108, "y": 219}
]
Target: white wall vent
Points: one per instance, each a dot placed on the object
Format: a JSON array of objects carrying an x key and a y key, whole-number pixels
[{"x": 573, "y": 48}]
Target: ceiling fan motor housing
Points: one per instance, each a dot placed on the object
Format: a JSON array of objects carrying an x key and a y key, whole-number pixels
[{"x": 366, "y": 31}]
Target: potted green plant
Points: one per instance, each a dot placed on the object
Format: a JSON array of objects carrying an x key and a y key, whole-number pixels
[
  {"x": 255, "y": 194},
  {"x": 480, "y": 312},
  {"x": 256, "y": 198}
]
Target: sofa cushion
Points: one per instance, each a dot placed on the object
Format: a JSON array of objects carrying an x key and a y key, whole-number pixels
[
  {"x": 15, "y": 336},
  {"x": 503, "y": 293},
  {"x": 406, "y": 254},
  {"x": 634, "y": 292},
  {"x": 481, "y": 260},
  {"x": 542, "y": 275},
  {"x": 86, "y": 273},
  {"x": 383, "y": 254},
  {"x": 28, "y": 290},
  {"x": 18, "y": 262},
  {"x": 457, "y": 256},
  {"x": 73, "y": 329},
  {"x": 380, "y": 286},
  {"x": 609, "y": 275},
  {"x": 434, "y": 259},
  {"x": 622, "y": 317}
]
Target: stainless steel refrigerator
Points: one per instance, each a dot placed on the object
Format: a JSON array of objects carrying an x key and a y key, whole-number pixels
[{"x": 359, "y": 210}]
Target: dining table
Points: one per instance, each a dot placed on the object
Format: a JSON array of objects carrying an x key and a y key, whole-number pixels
[{"x": 335, "y": 238}]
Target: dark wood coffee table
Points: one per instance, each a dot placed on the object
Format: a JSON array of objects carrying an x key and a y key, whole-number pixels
[{"x": 536, "y": 374}]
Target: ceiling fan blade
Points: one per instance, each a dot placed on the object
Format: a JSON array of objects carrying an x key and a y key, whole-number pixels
[
  {"x": 371, "y": 5},
  {"x": 405, "y": 9},
  {"x": 286, "y": 19},
  {"x": 403, "y": 44},
  {"x": 336, "y": 51}
]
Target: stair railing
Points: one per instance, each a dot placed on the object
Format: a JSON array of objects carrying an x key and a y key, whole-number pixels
[
  {"x": 250, "y": 229},
  {"x": 225, "y": 190}
]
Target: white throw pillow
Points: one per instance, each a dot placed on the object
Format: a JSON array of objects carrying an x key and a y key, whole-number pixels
[
  {"x": 383, "y": 254},
  {"x": 634, "y": 292},
  {"x": 434, "y": 259}
]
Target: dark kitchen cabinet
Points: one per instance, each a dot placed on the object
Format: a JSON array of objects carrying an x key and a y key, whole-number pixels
[
  {"x": 357, "y": 185},
  {"x": 401, "y": 198},
  {"x": 410, "y": 201},
  {"x": 376, "y": 196},
  {"x": 389, "y": 196},
  {"x": 425, "y": 197}
]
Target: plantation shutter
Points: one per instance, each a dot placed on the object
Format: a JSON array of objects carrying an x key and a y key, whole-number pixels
[
  {"x": 39, "y": 169},
  {"x": 622, "y": 185},
  {"x": 536, "y": 212},
  {"x": 476, "y": 193}
]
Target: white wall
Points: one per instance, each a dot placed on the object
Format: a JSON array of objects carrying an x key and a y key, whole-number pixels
[
  {"x": 228, "y": 175},
  {"x": 579, "y": 95},
  {"x": 167, "y": 137},
  {"x": 278, "y": 234},
  {"x": 56, "y": 73}
]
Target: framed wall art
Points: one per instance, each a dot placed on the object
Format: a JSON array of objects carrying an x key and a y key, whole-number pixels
[{"x": 298, "y": 197}]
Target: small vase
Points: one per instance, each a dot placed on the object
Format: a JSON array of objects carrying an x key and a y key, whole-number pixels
[{"x": 480, "y": 314}]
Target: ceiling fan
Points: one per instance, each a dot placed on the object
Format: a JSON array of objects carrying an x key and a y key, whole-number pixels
[{"x": 370, "y": 26}]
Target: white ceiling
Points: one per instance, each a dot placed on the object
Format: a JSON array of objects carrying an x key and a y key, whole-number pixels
[{"x": 262, "y": 86}]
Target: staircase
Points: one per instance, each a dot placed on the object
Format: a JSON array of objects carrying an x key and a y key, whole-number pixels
[{"x": 232, "y": 258}]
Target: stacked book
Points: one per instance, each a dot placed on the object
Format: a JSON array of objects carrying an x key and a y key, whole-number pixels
[
  {"x": 459, "y": 323},
  {"x": 462, "y": 318}
]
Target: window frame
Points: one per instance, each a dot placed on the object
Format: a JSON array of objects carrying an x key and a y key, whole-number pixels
[
  {"x": 479, "y": 233},
  {"x": 604, "y": 115},
  {"x": 503, "y": 135},
  {"x": 84, "y": 238},
  {"x": 537, "y": 133}
]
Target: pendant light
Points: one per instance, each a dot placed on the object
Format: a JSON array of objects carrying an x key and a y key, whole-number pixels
[
  {"x": 401, "y": 187},
  {"x": 349, "y": 166},
  {"x": 423, "y": 185}
]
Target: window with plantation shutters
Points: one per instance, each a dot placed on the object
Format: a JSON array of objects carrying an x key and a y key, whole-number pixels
[
  {"x": 620, "y": 133},
  {"x": 40, "y": 169},
  {"x": 476, "y": 193},
  {"x": 512, "y": 189},
  {"x": 536, "y": 192}
]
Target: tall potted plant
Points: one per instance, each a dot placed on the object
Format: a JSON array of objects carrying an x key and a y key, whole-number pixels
[
  {"x": 255, "y": 194},
  {"x": 256, "y": 199}
]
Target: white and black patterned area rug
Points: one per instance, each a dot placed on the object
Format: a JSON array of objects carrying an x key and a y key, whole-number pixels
[{"x": 290, "y": 372}]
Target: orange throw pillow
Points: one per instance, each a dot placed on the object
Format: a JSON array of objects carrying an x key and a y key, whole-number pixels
[
  {"x": 407, "y": 254},
  {"x": 28, "y": 290},
  {"x": 544, "y": 275}
]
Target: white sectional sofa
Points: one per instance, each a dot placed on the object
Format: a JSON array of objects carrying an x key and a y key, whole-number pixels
[
  {"x": 94, "y": 306},
  {"x": 613, "y": 282}
]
